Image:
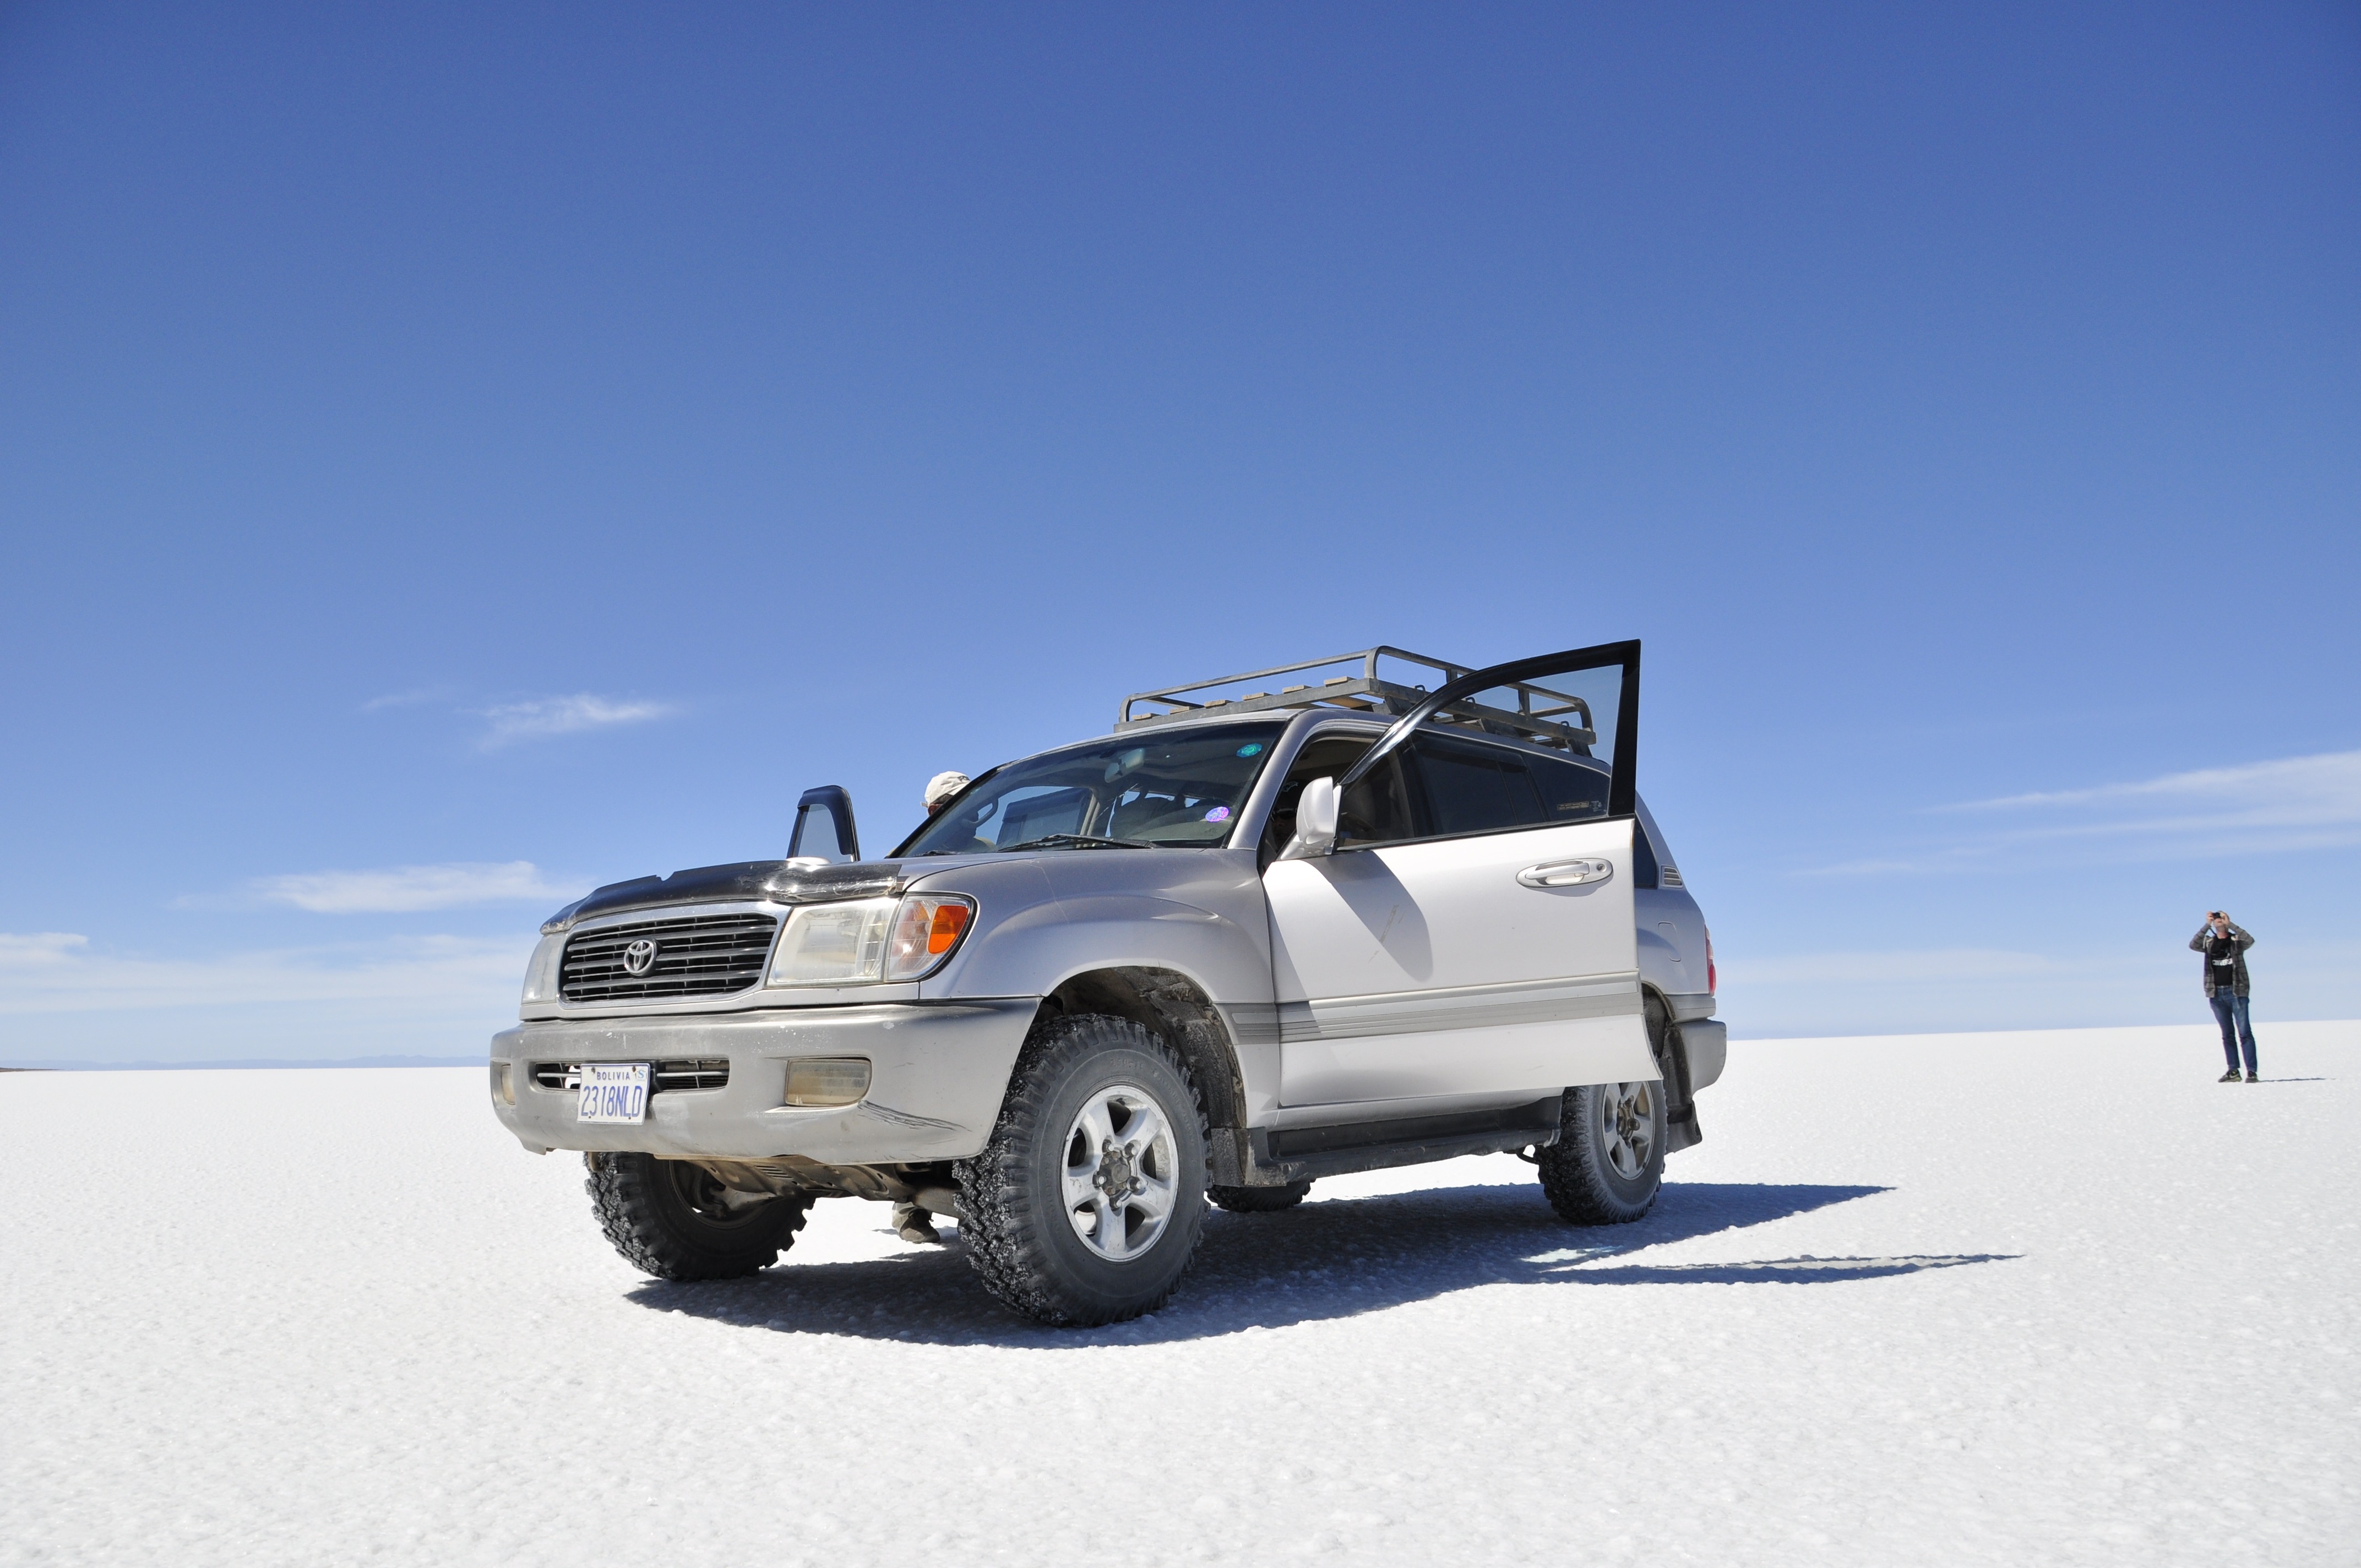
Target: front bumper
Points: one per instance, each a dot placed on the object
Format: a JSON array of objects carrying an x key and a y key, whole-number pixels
[{"x": 938, "y": 1071}]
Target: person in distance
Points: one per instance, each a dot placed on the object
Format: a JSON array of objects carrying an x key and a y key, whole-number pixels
[{"x": 2224, "y": 945}]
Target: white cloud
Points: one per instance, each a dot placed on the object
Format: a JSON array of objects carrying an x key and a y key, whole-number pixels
[
  {"x": 2088, "y": 979},
  {"x": 1894, "y": 967},
  {"x": 39, "y": 948},
  {"x": 419, "y": 976},
  {"x": 404, "y": 700},
  {"x": 2315, "y": 791},
  {"x": 2288, "y": 803},
  {"x": 406, "y": 889},
  {"x": 564, "y": 716},
  {"x": 1957, "y": 858}
]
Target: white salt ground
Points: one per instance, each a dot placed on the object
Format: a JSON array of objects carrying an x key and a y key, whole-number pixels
[{"x": 1970, "y": 1298}]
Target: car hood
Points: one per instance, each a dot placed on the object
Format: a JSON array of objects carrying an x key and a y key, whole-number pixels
[
  {"x": 783, "y": 882},
  {"x": 775, "y": 882}
]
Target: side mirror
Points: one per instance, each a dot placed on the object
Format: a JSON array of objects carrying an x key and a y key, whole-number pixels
[
  {"x": 824, "y": 829},
  {"x": 1315, "y": 821}
]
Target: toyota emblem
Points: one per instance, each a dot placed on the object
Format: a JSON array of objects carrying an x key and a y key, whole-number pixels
[{"x": 640, "y": 957}]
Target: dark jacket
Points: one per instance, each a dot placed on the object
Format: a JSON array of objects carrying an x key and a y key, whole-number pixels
[{"x": 2240, "y": 940}]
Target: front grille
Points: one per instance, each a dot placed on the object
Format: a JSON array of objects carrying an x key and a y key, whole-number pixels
[
  {"x": 701, "y": 1072},
  {"x": 700, "y": 955}
]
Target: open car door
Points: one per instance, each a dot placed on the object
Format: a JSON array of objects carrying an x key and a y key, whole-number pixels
[{"x": 1454, "y": 919}]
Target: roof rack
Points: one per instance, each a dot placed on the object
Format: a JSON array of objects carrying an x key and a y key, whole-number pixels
[{"x": 1552, "y": 717}]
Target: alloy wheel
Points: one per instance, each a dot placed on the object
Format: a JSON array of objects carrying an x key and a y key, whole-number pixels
[
  {"x": 1627, "y": 1126},
  {"x": 1121, "y": 1172}
]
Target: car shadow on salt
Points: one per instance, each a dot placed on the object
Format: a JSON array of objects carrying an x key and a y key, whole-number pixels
[{"x": 1324, "y": 1260}]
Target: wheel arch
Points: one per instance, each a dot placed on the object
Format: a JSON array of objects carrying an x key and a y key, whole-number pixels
[{"x": 1176, "y": 1009}]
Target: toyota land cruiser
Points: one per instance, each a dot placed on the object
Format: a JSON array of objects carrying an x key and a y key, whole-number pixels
[{"x": 1249, "y": 939}]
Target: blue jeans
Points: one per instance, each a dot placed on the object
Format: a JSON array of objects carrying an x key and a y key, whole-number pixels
[{"x": 2230, "y": 1012}]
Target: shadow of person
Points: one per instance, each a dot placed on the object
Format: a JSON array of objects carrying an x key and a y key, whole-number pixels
[
  {"x": 1319, "y": 1261},
  {"x": 1785, "y": 1270}
]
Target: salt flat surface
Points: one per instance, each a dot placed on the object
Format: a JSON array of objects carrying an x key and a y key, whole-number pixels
[{"x": 1966, "y": 1299}]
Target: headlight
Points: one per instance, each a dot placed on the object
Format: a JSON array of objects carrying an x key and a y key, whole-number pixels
[
  {"x": 863, "y": 941},
  {"x": 541, "y": 976},
  {"x": 833, "y": 944}
]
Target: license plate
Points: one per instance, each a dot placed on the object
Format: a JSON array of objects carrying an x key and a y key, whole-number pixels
[{"x": 613, "y": 1091}]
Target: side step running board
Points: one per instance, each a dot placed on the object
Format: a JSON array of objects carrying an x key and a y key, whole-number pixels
[{"x": 1299, "y": 1154}]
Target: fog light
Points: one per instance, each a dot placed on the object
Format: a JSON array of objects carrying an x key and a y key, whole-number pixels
[
  {"x": 502, "y": 1090},
  {"x": 826, "y": 1080}
]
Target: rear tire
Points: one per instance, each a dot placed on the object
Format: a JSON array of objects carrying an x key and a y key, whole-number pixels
[
  {"x": 674, "y": 1220},
  {"x": 1086, "y": 1205},
  {"x": 1259, "y": 1200},
  {"x": 1609, "y": 1160}
]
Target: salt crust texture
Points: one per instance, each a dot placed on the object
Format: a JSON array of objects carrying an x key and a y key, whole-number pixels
[{"x": 2023, "y": 1298}]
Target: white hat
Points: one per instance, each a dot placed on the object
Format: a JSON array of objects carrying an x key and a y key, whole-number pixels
[{"x": 942, "y": 786}]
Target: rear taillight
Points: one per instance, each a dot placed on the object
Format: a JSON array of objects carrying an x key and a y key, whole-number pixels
[{"x": 1710, "y": 977}]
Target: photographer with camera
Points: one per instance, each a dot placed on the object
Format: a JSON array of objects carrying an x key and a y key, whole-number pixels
[{"x": 2224, "y": 946}]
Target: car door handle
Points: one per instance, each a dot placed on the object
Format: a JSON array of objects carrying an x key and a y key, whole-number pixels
[{"x": 1567, "y": 873}]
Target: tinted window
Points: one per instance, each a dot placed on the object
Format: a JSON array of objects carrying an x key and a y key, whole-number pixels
[
  {"x": 1472, "y": 787},
  {"x": 1570, "y": 791}
]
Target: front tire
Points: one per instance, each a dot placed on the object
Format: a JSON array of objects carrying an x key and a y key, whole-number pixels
[
  {"x": 1086, "y": 1205},
  {"x": 676, "y": 1221}
]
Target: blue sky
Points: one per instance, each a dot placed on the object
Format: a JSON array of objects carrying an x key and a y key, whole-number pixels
[{"x": 450, "y": 457}]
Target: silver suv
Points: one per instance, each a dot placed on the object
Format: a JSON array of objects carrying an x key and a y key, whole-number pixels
[{"x": 1249, "y": 939}]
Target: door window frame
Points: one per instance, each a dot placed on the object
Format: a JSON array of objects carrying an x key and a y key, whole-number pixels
[
  {"x": 1325, "y": 728},
  {"x": 1622, "y": 768},
  {"x": 1414, "y": 784}
]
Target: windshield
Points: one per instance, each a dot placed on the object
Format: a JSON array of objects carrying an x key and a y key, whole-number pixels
[{"x": 1161, "y": 791}]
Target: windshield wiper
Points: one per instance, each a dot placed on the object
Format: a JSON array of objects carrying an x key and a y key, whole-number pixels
[{"x": 1078, "y": 841}]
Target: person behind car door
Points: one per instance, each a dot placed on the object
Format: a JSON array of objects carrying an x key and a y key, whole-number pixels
[
  {"x": 911, "y": 1222},
  {"x": 2228, "y": 990}
]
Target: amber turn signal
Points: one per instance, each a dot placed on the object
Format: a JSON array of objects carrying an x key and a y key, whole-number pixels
[
  {"x": 944, "y": 931},
  {"x": 926, "y": 930}
]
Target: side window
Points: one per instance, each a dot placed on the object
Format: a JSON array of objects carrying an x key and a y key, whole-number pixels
[
  {"x": 1375, "y": 811},
  {"x": 1475, "y": 788},
  {"x": 1570, "y": 791}
]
